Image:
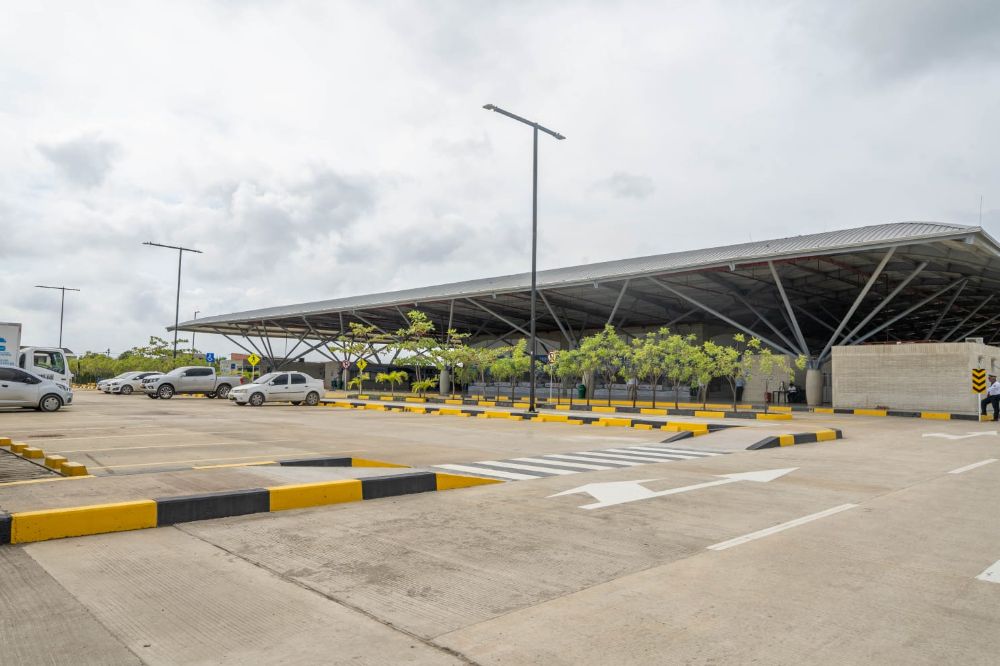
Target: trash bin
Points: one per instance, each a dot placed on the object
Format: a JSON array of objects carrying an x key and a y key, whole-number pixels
[{"x": 581, "y": 391}]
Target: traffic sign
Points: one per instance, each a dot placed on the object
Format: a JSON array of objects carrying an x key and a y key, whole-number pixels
[
  {"x": 362, "y": 364},
  {"x": 552, "y": 355},
  {"x": 253, "y": 360},
  {"x": 345, "y": 364},
  {"x": 978, "y": 380},
  {"x": 210, "y": 357}
]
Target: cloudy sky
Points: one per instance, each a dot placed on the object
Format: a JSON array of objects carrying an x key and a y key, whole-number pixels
[{"x": 322, "y": 149}]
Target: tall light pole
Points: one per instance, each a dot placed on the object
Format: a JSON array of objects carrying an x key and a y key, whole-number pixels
[
  {"x": 192, "y": 332},
  {"x": 62, "y": 305},
  {"x": 534, "y": 229},
  {"x": 177, "y": 306}
]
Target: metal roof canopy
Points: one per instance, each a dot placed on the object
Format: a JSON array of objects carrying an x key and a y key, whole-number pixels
[{"x": 804, "y": 294}]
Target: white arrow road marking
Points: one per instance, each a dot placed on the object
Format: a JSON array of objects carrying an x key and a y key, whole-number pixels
[
  {"x": 944, "y": 435},
  {"x": 622, "y": 492},
  {"x": 780, "y": 528},
  {"x": 991, "y": 575},
  {"x": 973, "y": 466}
]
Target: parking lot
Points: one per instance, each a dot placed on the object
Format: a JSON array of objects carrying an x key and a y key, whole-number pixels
[{"x": 874, "y": 548}]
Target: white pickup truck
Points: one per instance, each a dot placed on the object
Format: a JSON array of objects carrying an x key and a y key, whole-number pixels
[
  {"x": 46, "y": 362},
  {"x": 191, "y": 379}
]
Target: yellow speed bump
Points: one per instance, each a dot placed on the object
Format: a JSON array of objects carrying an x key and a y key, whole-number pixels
[
  {"x": 29, "y": 526},
  {"x": 304, "y": 495}
]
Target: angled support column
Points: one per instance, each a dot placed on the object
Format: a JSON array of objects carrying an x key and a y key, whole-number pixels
[
  {"x": 947, "y": 309},
  {"x": 618, "y": 301},
  {"x": 723, "y": 317},
  {"x": 764, "y": 319},
  {"x": 498, "y": 316},
  {"x": 895, "y": 292},
  {"x": 562, "y": 329},
  {"x": 969, "y": 316},
  {"x": 906, "y": 312},
  {"x": 788, "y": 307},
  {"x": 988, "y": 321},
  {"x": 858, "y": 300},
  {"x": 681, "y": 316},
  {"x": 355, "y": 313}
]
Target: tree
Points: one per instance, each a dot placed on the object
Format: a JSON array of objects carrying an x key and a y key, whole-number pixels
[
  {"x": 568, "y": 366},
  {"x": 358, "y": 382},
  {"x": 359, "y": 341},
  {"x": 392, "y": 378},
  {"x": 702, "y": 370},
  {"x": 473, "y": 363},
  {"x": 733, "y": 362},
  {"x": 606, "y": 354},
  {"x": 424, "y": 385},
  {"x": 681, "y": 359},
  {"x": 511, "y": 365},
  {"x": 650, "y": 357}
]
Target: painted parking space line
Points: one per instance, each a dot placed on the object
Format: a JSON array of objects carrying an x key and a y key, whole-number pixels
[
  {"x": 687, "y": 452},
  {"x": 179, "y": 446},
  {"x": 667, "y": 456},
  {"x": 513, "y": 476},
  {"x": 565, "y": 465},
  {"x": 779, "y": 528},
  {"x": 196, "y": 460},
  {"x": 521, "y": 466},
  {"x": 992, "y": 574},
  {"x": 973, "y": 466}
]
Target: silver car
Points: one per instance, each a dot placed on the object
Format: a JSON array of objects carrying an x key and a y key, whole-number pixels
[
  {"x": 103, "y": 384},
  {"x": 293, "y": 387},
  {"x": 129, "y": 382},
  {"x": 19, "y": 388}
]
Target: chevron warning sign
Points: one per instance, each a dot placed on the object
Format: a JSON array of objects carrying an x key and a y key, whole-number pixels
[{"x": 978, "y": 380}]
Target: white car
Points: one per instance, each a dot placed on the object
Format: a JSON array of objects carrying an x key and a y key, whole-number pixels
[
  {"x": 19, "y": 388},
  {"x": 103, "y": 384},
  {"x": 293, "y": 387},
  {"x": 129, "y": 382}
]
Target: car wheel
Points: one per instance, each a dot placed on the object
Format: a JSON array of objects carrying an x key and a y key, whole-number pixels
[
  {"x": 50, "y": 403},
  {"x": 166, "y": 392},
  {"x": 312, "y": 399},
  {"x": 223, "y": 391},
  {"x": 126, "y": 390},
  {"x": 257, "y": 399}
]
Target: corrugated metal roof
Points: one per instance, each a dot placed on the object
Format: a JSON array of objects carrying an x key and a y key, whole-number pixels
[{"x": 869, "y": 237}]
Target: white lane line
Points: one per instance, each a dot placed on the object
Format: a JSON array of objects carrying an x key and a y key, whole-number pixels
[
  {"x": 561, "y": 463},
  {"x": 530, "y": 468},
  {"x": 609, "y": 453},
  {"x": 686, "y": 452},
  {"x": 491, "y": 472},
  {"x": 176, "y": 446},
  {"x": 992, "y": 574},
  {"x": 780, "y": 528},
  {"x": 603, "y": 461},
  {"x": 973, "y": 466},
  {"x": 664, "y": 456}
]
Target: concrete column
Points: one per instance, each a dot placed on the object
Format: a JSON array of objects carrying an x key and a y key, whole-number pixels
[
  {"x": 814, "y": 386},
  {"x": 445, "y": 381}
]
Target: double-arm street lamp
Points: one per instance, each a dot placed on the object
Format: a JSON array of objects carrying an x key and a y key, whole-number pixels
[
  {"x": 534, "y": 228},
  {"x": 177, "y": 306},
  {"x": 62, "y": 306}
]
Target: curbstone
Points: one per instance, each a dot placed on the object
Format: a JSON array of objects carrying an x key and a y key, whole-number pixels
[
  {"x": 304, "y": 495},
  {"x": 29, "y": 526},
  {"x": 5, "y": 524},
  {"x": 188, "y": 508},
  {"x": 73, "y": 469},
  {"x": 799, "y": 438},
  {"x": 55, "y": 462},
  {"x": 398, "y": 484}
]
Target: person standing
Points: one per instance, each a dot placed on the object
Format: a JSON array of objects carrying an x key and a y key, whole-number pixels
[
  {"x": 740, "y": 383},
  {"x": 992, "y": 398}
]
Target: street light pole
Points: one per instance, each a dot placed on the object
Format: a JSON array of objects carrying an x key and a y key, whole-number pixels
[
  {"x": 534, "y": 232},
  {"x": 62, "y": 306},
  {"x": 177, "y": 304}
]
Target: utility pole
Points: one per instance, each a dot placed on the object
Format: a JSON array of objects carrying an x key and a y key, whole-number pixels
[
  {"x": 192, "y": 332},
  {"x": 177, "y": 305},
  {"x": 62, "y": 305},
  {"x": 534, "y": 231}
]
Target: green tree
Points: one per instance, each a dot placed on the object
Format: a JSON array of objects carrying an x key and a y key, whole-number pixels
[
  {"x": 568, "y": 366},
  {"x": 354, "y": 345},
  {"x": 771, "y": 367},
  {"x": 358, "y": 382},
  {"x": 511, "y": 365},
  {"x": 606, "y": 354},
  {"x": 733, "y": 362},
  {"x": 424, "y": 385},
  {"x": 392, "y": 378},
  {"x": 650, "y": 357},
  {"x": 680, "y": 358}
]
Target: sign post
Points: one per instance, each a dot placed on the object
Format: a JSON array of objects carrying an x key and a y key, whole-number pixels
[{"x": 253, "y": 360}]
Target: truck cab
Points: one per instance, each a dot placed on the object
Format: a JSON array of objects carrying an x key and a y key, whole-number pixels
[{"x": 46, "y": 362}]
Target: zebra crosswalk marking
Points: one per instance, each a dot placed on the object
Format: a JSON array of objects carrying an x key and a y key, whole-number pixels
[{"x": 576, "y": 462}]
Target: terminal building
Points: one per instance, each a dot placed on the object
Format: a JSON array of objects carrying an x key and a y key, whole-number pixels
[{"x": 891, "y": 315}]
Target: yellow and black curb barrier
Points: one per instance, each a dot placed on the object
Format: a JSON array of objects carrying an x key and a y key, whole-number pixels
[
  {"x": 30, "y": 526},
  {"x": 57, "y": 464},
  {"x": 799, "y": 438},
  {"x": 695, "y": 429}
]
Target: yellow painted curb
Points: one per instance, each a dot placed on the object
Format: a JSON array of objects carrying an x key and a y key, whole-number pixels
[
  {"x": 786, "y": 440},
  {"x": 304, "y": 495},
  {"x": 363, "y": 462},
  {"x": 486, "y": 403},
  {"x": 453, "y": 481},
  {"x": 825, "y": 435},
  {"x": 416, "y": 400},
  {"x": 520, "y": 405},
  {"x": 941, "y": 416},
  {"x": 33, "y": 452},
  {"x": 774, "y": 417},
  {"x": 55, "y": 462},
  {"x": 870, "y": 412},
  {"x": 18, "y": 447},
  {"x": 417, "y": 410},
  {"x": 453, "y": 402},
  {"x": 642, "y": 426},
  {"x": 29, "y": 526},
  {"x": 652, "y": 411},
  {"x": 710, "y": 415},
  {"x": 613, "y": 422},
  {"x": 823, "y": 410},
  {"x": 6, "y": 441},
  {"x": 376, "y": 407},
  {"x": 73, "y": 469},
  {"x": 603, "y": 408}
]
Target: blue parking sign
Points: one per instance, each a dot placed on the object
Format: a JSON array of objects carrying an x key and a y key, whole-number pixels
[{"x": 210, "y": 357}]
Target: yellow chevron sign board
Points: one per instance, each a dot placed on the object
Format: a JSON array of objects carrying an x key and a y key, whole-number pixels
[{"x": 978, "y": 380}]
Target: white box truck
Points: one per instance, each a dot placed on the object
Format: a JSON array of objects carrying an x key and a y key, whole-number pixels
[{"x": 47, "y": 362}]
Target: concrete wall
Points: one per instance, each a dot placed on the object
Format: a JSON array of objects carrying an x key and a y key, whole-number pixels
[{"x": 915, "y": 376}]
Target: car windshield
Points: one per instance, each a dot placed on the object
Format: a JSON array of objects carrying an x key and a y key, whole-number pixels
[{"x": 266, "y": 378}]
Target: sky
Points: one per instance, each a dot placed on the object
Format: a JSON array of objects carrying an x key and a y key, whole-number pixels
[{"x": 320, "y": 149}]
